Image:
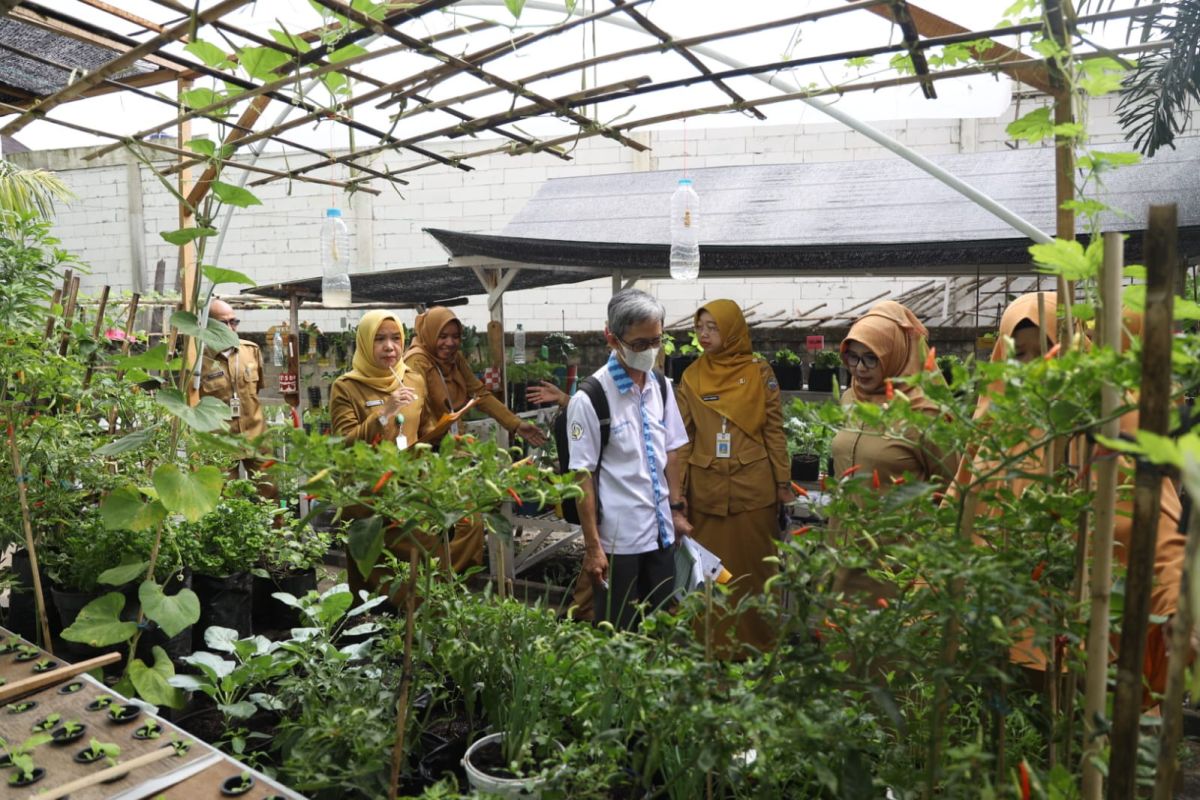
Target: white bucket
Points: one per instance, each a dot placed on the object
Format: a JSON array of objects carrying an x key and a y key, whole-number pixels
[{"x": 527, "y": 788}]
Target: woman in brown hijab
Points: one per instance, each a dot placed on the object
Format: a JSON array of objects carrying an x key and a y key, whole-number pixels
[
  {"x": 883, "y": 347},
  {"x": 737, "y": 463},
  {"x": 436, "y": 354},
  {"x": 1033, "y": 334}
]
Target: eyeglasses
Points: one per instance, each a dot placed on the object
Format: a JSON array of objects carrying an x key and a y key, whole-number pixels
[
  {"x": 641, "y": 345},
  {"x": 707, "y": 327},
  {"x": 852, "y": 360},
  {"x": 231, "y": 322}
]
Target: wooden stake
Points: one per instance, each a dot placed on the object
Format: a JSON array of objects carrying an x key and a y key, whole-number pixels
[
  {"x": 129, "y": 320},
  {"x": 410, "y": 609},
  {"x": 118, "y": 771},
  {"x": 91, "y": 368},
  {"x": 38, "y": 595},
  {"x": 18, "y": 689},
  {"x": 1161, "y": 249},
  {"x": 69, "y": 315}
]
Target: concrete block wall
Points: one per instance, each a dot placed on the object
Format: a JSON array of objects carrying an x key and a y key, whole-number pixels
[{"x": 278, "y": 241}]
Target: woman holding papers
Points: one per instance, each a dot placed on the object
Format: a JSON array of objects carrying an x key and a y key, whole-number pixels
[
  {"x": 436, "y": 354},
  {"x": 737, "y": 463}
]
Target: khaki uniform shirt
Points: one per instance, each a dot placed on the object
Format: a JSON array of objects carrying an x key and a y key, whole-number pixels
[
  {"x": 758, "y": 461},
  {"x": 438, "y": 400},
  {"x": 237, "y": 370},
  {"x": 355, "y": 409}
]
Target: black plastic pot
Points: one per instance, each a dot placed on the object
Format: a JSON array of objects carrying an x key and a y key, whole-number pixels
[
  {"x": 22, "y": 609},
  {"x": 677, "y": 364},
  {"x": 820, "y": 379},
  {"x": 123, "y": 714},
  {"x": 806, "y": 467},
  {"x": 269, "y": 613},
  {"x": 35, "y": 776},
  {"x": 790, "y": 376},
  {"x": 235, "y": 785},
  {"x": 516, "y": 398},
  {"x": 226, "y": 601}
]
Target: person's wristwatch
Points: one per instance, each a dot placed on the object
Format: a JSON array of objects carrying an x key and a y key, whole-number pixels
[{"x": 680, "y": 506}]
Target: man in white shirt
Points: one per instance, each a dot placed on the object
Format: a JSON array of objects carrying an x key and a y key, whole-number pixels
[{"x": 630, "y": 533}]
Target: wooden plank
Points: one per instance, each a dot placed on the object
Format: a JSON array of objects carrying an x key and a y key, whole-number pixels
[{"x": 35, "y": 683}]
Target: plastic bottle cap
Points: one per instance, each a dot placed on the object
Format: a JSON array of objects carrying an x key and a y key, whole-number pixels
[
  {"x": 333, "y": 212},
  {"x": 682, "y": 182}
]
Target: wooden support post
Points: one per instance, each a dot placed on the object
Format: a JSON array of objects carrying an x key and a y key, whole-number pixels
[
  {"x": 293, "y": 349},
  {"x": 96, "y": 328},
  {"x": 70, "y": 306},
  {"x": 1161, "y": 251},
  {"x": 129, "y": 320},
  {"x": 39, "y": 596}
]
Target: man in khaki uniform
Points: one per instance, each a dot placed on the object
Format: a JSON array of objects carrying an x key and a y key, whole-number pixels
[{"x": 235, "y": 376}]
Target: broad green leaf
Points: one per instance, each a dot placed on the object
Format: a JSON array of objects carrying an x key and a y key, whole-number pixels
[
  {"x": 1032, "y": 127},
  {"x": 203, "y": 97},
  {"x": 1135, "y": 271},
  {"x": 1086, "y": 207},
  {"x": 1159, "y": 449},
  {"x": 1100, "y": 76},
  {"x": 153, "y": 683},
  {"x": 173, "y": 613},
  {"x": 234, "y": 195},
  {"x": 99, "y": 623},
  {"x": 1101, "y": 161},
  {"x": 369, "y": 8},
  {"x": 154, "y": 358},
  {"x": 126, "y": 443},
  {"x": 243, "y": 709},
  {"x": 364, "y": 540},
  {"x": 1119, "y": 445},
  {"x": 1066, "y": 258},
  {"x": 1083, "y": 311},
  {"x": 1186, "y": 309},
  {"x": 210, "y": 663},
  {"x": 204, "y": 147},
  {"x": 119, "y": 576},
  {"x": 336, "y": 82},
  {"x": 209, "y": 53},
  {"x": 515, "y": 7},
  {"x": 185, "y": 235},
  {"x": 192, "y": 494},
  {"x": 209, "y": 414},
  {"x": 1068, "y": 130},
  {"x": 288, "y": 40},
  {"x": 223, "y": 640},
  {"x": 261, "y": 62},
  {"x": 334, "y": 606},
  {"x": 124, "y": 509},
  {"x": 221, "y": 275},
  {"x": 344, "y": 53},
  {"x": 216, "y": 335}
]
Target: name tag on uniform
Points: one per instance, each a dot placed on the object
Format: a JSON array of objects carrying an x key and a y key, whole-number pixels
[
  {"x": 724, "y": 445},
  {"x": 708, "y": 398},
  {"x": 373, "y": 403},
  {"x": 215, "y": 374}
]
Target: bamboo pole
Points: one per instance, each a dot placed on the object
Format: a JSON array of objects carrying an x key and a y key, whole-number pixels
[
  {"x": 120, "y": 770},
  {"x": 129, "y": 320},
  {"x": 99, "y": 324},
  {"x": 1096, "y": 679},
  {"x": 1161, "y": 250},
  {"x": 68, "y": 316},
  {"x": 39, "y": 596},
  {"x": 18, "y": 689},
  {"x": 410, "y": 609}
]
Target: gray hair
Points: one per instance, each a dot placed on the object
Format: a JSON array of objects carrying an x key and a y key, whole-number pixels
[{"x": 630, "y": 307}]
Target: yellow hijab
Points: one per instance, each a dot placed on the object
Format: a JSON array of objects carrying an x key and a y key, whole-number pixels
[
  {"x": 730, "y": 373},
  {"x": 894, "y": 334},
  {"x": 366, "y": 371}
]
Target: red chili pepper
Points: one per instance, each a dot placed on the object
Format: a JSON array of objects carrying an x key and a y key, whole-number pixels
[
  {"x": 1038, "y": 570},
  {"x": 1053, "y": 351},
  {"x": 799, "y": 490},
  {"x": 816, "y": 634},
  {"x": 931, "y": 360},
  {"x": 1024, "y": 772},
  {"x": 833, "y": 626},
  {"x": 39, "y": 504},
  {"x": 801, "y": 531},
  {"x": 384, "y": 478},
  {"x": 824, "y": 485},
  {"x": 889, "y": 393},
  {"x": 900, "y": 481},
  {"x": 851, "y": 470},
  {"x": 310, "y": 497},
  {"x": 270, "y": 462},
  {"x": 513, "y": 494},
  {"x": 882, "y": 602},
  {"x": 874, "y": 479}
]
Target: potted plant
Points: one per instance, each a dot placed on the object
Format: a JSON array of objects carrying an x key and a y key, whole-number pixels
[
  {"x": 97, "y": 750},
  {"x": 559, "y": 348},
  {"x": 680, "y": 356},
  {"x": 289, "y": 564},
  {"x": 222, "y": 547},
  {"x": 947, "y": 364},
  {"x": 823, "y": 370},
  {"x": 19, "y": 756},
  {"x": 789, "y": 370},
  {"x": 810, "y": 445}
]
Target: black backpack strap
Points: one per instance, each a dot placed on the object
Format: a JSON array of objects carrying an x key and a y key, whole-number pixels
[
  {"x": 592, "y": 387},
  {"x": 662, "y": 390}
]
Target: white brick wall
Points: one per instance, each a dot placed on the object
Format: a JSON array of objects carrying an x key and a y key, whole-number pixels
[{"x": 278, "y": 240}]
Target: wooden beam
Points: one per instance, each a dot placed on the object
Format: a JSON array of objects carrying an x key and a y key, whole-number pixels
[{"x": 247, "y": 120}]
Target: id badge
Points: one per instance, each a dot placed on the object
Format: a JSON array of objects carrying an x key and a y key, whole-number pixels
[
  {"x": 235, "y": 406},
  {"x": 724, "y": 445},
  {"x": 402, "y": 442}
]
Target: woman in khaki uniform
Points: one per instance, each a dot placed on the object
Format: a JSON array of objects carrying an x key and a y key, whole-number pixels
[
  {"x": 737, "y": 463},
  {"x": 378, "y": 401},
  {"x": 887, "y": 343}
]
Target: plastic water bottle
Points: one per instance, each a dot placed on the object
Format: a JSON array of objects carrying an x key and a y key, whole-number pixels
[
  {"x": 277, "y": 349},
  {"x": 685, "y": 232},
  {"x": 519, "y": 345},
  {"x": 335, "y": 261}
]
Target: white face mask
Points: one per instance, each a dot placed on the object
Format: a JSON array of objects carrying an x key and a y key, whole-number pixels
[{"x": 643, "y": 361}]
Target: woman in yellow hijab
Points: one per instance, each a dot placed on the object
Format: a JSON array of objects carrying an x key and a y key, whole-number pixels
[{"x": 737, "y": 470}]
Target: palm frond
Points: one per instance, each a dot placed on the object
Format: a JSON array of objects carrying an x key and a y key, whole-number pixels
[
  {"x": 1157, "y": 98},
  {"x": 31, "y": 191}
]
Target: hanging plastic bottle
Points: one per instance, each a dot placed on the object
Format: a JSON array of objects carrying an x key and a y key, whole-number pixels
[
  {"x": 519, "y": 345},
  {"x": 685, "y": 232},
  {"x": 277, "y": 348},
  {"x": 335, "y": 261}
]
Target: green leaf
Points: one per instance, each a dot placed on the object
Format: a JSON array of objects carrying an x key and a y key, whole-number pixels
[
  {"x": 242, "y": 709},
  {"x": 209, "y": 414},
  {"x": 216, "y": 335},
  {"x": 1100, "y": 161},
  {"x": 336, "y": 82},
  {"x": 221, "y": 275},
  {"x": 234, "y": 195},
  {"x": 203, "y": 146},
  {"x": 1033, "y": 127},
  {"x": 261, "y": 62},
  {"x": 1186, "y": 309},
  {"x": 126, "y": 443},
  {"x": 209, "y": 53},
  {"x": 202, "y": 97},
  {"x": 1160, "y": 449},
  {"x": 119, "y": 576},
  {"x": 99, "y": 623},
  {"x": 185, "y": 235},
  {"x": 344, "y": 53},
  {"x": 125, "y": 510},
  {"x": 1086, "y": 207},
  {"x": 515, "y": 7},
  {"x": 288, "y": 40},
  {"x": 192, "y": 494},
  {"x": 172, "y": 613},
  {"x": 1100, "y": 76},
  {"x": 154, "y": 358},
  {"x": 1066, "y": 258},
  {"x": 376, "y": 11},
  {"x": 1135, "y": 271},
  {"x": 152, "y": 684},
  {"x": 364, "y": 540}
]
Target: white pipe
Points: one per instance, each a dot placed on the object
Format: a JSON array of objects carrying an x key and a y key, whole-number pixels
[{"x": 879, "y": 137}]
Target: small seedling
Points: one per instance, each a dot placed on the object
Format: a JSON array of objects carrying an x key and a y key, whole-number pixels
[
  {"x": 22, "y": 707},
  {"x": 237, "y": 784},
  {"x": 97, "y": 750},
  {"x": 45, "y": 665},
  {"x": 20, "y": 758},
  {"x": 27, "y": 652},
  {"x": 69, "y": 731},
  {"x": 47, "y": 723},
  {"x": 123, "y": 713},
  {"x": 151, "y": 730},
  {"x": 100, "y": 703},
  {"x": 71, "y": 688},
  {"x": 181, "y": 747}
]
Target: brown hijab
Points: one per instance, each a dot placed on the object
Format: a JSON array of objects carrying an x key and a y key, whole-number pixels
[
  {"x": 894, "y": 334},
  {"x": 730, "y": 373},
  {"x": 365, "y": 370},
  {"x": 1024, "y": 308},
  {"x": 428, "y": 327}
]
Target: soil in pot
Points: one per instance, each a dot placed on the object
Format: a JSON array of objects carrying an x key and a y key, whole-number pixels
[
  {"x": 806, "y": 467},
  {"x": 22, "y": 609},
  {"x": 123, "y": 714},
  {"x": 821, "y": 379},
  {"x": 236, "y": 785},
  {"x": 271, "y": 614},
  {"x": 790, "y": 376},
  {"x": 225, "y": 601},
  {"x": 488, "y": 772}
]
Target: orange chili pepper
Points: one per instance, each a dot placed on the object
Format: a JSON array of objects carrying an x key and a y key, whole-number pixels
[
  {"x": 802, "y": 531},
  {"x": 874, "y": 479},
  {"x": 1053, "y": 351},
  {"x": 310, "y": 497},
  {"x": 898, "y": 481},
  {"x": 851, "y": 470},
  {"x": 384, "y": 478},
  {"x": 1024, "y": 772},
  {"x": 833, "y": 626},
  {"x": 270, "y": 462},
  {"x": 888, "y": 392},
  {"x": 513, "y": 494},
  {"x": 931, "y": 360},
  {"x": 799, "y": 490},
  {"x": 1038, "y": 570},
  {"x": 882, "y": 602}
]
